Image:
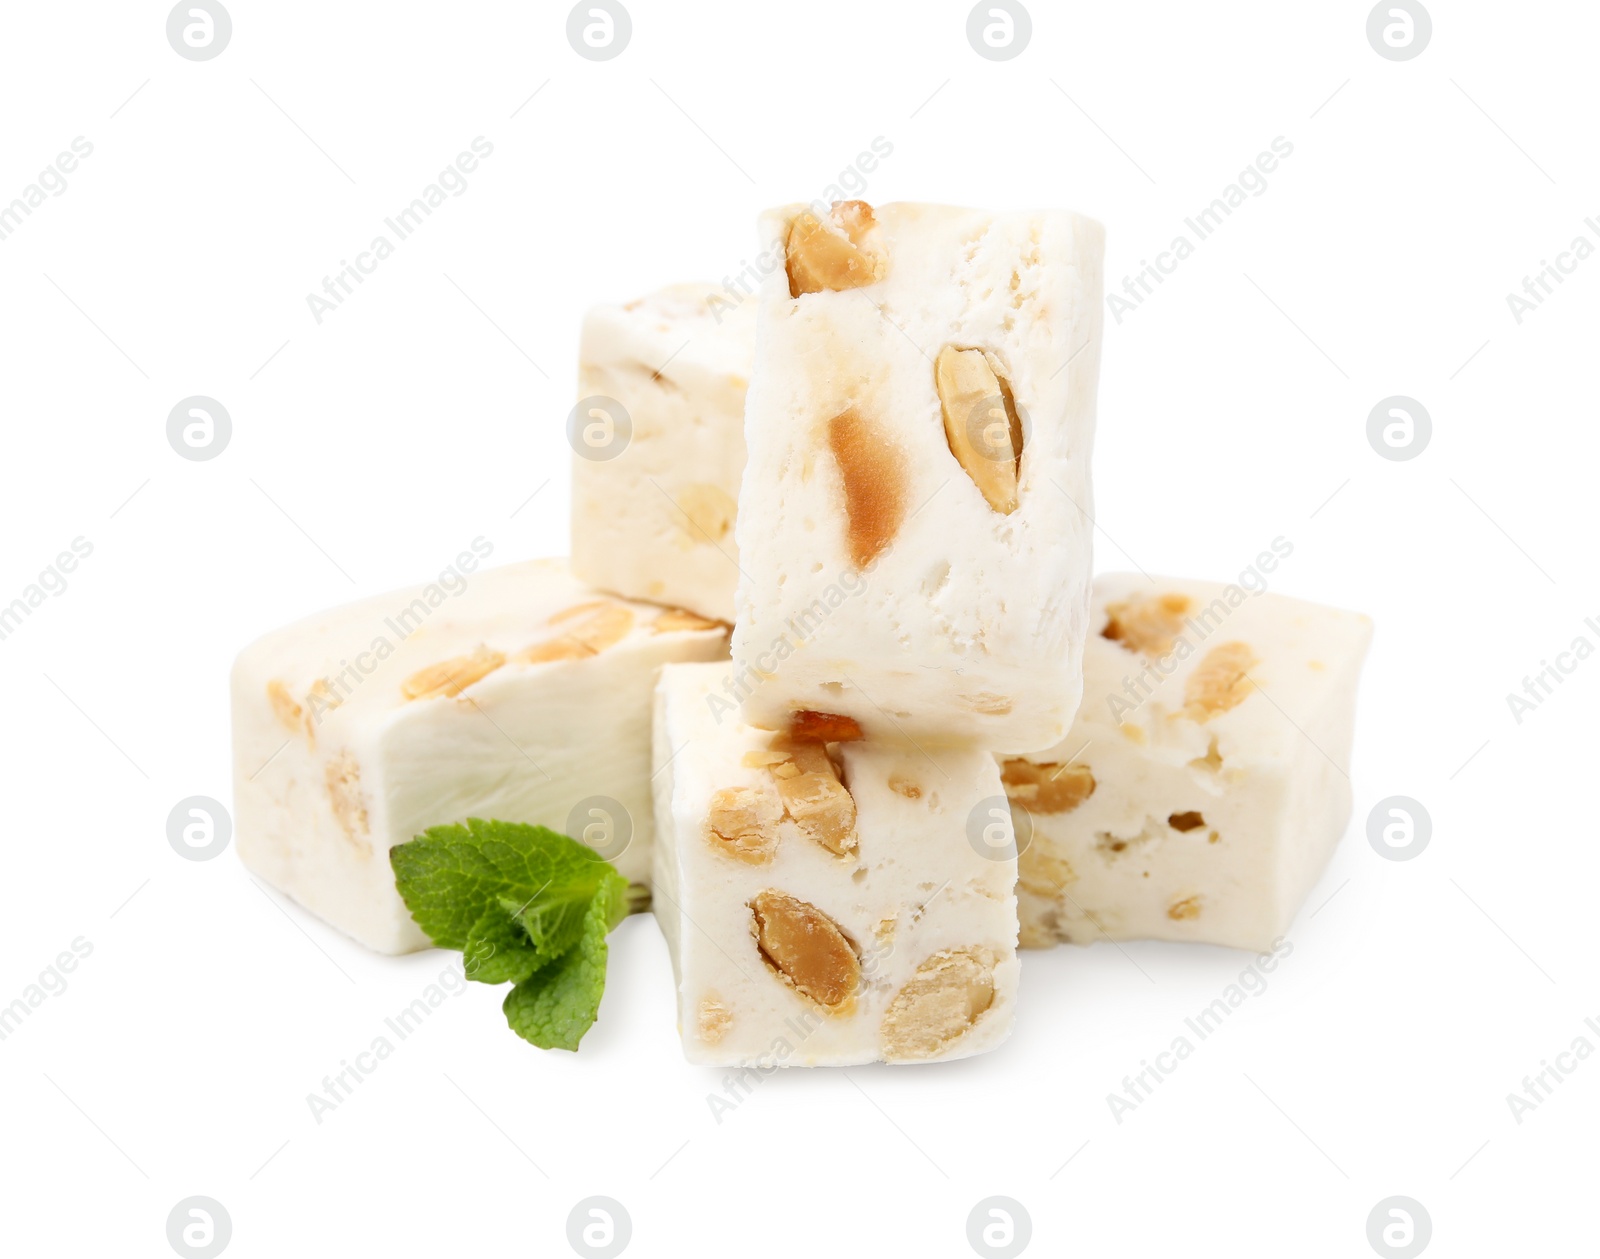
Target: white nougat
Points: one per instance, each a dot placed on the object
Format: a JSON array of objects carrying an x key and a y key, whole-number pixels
[
  {"x": 515, "y": 693},
  {"x": 914, "y": 527},
  {"x": 656, "y": 521},
  {"x": 1205, "y": 782},
  {"x": 828, "y": 906}
]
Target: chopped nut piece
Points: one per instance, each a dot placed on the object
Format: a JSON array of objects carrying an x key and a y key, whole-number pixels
[
  {"x": 905, "y": 787},
  {"x": 813, "y": 796},
  {"x": 449, "y": 678},
  {"x": 980, "y": 424},
  {"x": 1211, "y": 762},
  {"x": 1042, "y": 870},
  {"x": 715, "y": 1019},
  {"x": 822, "y": 809},
  {"x": 349, "y": 803},
  {"x": 1186, "y": 822},
  {"x": 674, "y": 619},
  {"x": 874, "y": 484},
  {"x": 1181, "y": 910},
  {"x": 1150, "y": 626},
  {"x": 765, "y": 759},
  {"x": 283, "y": 706},
  {"x": 1047, "y": 787},
  {"x": 840, "y": 252},
  {"x": 807, "y": 726},
  {"x": 743, "y": 822},
  {"x": 595, "y": 626},
  {"x": 806, "y": 948},
  {"x": 989, "y": 704},
  {"x": 710, "y": 512},
  {"x": 1219, "y": 682},
  {"x": 947, "y": 995}
]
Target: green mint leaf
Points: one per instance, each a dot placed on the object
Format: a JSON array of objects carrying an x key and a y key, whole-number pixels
[
  {"x": 553, "y": 920},
  {"x": 498, "y": 950},
  {"x": 450, "y": 876},
  {"x": 557, "y": 1004}
]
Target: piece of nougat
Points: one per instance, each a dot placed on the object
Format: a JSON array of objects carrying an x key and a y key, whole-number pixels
[
  {"x": 914, "y": 526},
  {"x": 828, "y": 903},
  {"x": 1205, "y": 781},
  {"x": 515, "y": 693},
  {"x": 653, "y": 516}
]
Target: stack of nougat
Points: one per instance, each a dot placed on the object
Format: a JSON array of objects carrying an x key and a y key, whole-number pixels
[{"x": 935, "y": 736}]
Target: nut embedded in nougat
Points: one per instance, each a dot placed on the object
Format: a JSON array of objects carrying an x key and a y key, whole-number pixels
[
  {"x": 1149, "y": 626},
  {"x": 839, "y": 252},
  {"x": 807, "y": 726},
  {"x": 874, "y": 478},
  {"x": 1047, "y": 787},
  {"x": 947, "y": 995},
  {"x": 449, "y": 678},
  {"x": 813, "y": 796},
  {"x": 1219, "y": 682},
  {"x": 593, "y": 627},
  {"x": 743, "y": 822},
  {"x": 981, "y": 424},
  {"x": 806, "y": 948}
]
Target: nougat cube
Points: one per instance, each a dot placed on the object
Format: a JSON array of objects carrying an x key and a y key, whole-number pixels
[
  {"x": 828, "y": 904},
  {"x": 514, "y": 693},
  {"x": 914, "y": 523},
  {"x": 653, "y": 510},
  {"x": 1205, "y": 782}
]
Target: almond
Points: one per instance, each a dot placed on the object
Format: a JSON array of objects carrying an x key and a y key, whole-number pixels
[
  {"x": 873, "y": 476},
  {"x": 1185, "y": 909},
  {"x": 342, "y": 776},
  {"x": 289, "y": 713},
  {"x": 449, "y": 678},
  {"x": 1047, "y": 787},
  {"x": 813, "y": 796},
  {"x": 1219, "y": 682},
  {"x": 981, "y": 424},
  {"x": 589, "y": 629},
  {"x": 842, "y": 251},
  {"x": 675, "y": 619},
  {"x": 743, "y": 823},
  {"x": 806, "y": 948},
  {"x": 714, "y": 1019},
  {"x": 948, "y": 994},
  {"x": 808, "y": 726},
  {"x": 1150, "y": 626}
]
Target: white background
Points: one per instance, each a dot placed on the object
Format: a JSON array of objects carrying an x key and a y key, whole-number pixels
[{"x": 370, "y": 449}]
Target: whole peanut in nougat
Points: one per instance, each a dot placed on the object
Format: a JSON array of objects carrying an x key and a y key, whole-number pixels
[{"x": 914, "y": 521}]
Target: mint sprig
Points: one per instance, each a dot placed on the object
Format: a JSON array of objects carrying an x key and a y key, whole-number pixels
[{"x": 524, "y": 905}]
